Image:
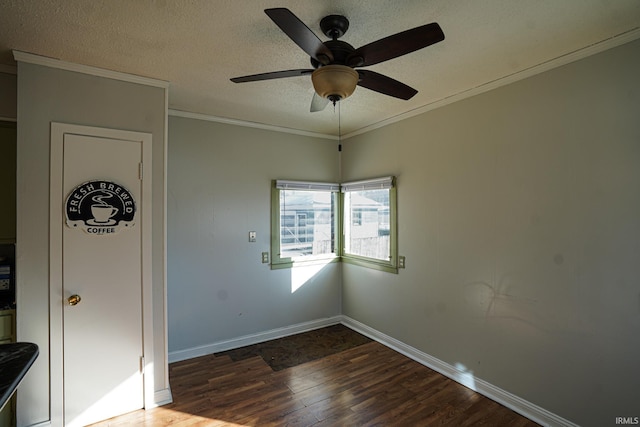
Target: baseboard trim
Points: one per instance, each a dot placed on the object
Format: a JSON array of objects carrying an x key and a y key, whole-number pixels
[
  {"x": 162, "y": 397},
  {"x": 509, "y": 400},
  {"x": 177, "y": 356}
]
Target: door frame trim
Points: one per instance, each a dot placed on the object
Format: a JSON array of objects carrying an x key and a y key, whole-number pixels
[{"x": 56, "y": 224}]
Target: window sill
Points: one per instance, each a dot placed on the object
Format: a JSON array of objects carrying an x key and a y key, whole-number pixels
[
  {"x": 362, "y": 262},
  {"x": 370, "y": 263},
  {"x": 302, "y": 263}
]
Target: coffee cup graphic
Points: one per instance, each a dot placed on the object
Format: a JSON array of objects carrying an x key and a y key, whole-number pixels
[
  {"x": 103, "y": 213},
  {"x": 100, "y": 208}
]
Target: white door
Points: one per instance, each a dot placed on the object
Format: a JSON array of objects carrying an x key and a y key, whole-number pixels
[{"x": 102, "y": 265}]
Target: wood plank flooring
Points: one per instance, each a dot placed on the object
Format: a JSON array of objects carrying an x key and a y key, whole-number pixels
[{"x": 368, "y": 385}]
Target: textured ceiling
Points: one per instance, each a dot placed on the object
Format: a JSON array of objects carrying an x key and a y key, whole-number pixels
[{"x": 198, "y": 45}]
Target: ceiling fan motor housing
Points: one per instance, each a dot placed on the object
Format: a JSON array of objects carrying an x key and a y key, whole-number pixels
[{"x": 342, "y": 54}]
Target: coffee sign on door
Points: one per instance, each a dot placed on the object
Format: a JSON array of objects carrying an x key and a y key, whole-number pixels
[{"x": 100, "y": 208}]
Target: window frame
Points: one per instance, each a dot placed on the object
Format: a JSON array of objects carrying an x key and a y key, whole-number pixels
[
  {"x": 339, "y": 223},
  {"x": 390, "y": 266},
  {"x": 278, "y": 262}
]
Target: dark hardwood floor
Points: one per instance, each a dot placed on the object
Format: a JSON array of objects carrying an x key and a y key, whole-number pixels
[{"x": 366, "y": 385}]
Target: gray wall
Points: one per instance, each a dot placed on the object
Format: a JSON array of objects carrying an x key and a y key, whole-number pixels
[
  {"x": 219, "y": 181},
  {"x": 45, "y": 95},
  {"x": 519, "y": 215}
]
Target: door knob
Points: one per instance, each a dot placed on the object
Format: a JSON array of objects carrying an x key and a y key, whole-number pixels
[{"x": 74, "y": 299}]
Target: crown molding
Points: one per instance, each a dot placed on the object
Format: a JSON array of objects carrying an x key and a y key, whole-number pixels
[
  {"x": 87, "y": 69},
  {"x": 255, "y": 125},
  {"x": 576, "y": 55}
]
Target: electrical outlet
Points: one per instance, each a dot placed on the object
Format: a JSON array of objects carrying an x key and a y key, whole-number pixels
[
  {"x": 401, "y": 262},
  {"x": 252, "y": 236},
  {"x": 265, "y": 257}
]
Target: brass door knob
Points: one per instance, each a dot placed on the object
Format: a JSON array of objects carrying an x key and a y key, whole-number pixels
[{"x": 74, "y": 299}]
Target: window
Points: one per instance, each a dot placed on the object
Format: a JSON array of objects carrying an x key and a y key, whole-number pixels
[
  {"x": 313, "y": 222},
  {"x": 369, "y": 223},
  {"x": 304, "y": 222}
]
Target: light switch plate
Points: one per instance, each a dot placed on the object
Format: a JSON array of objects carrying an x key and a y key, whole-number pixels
[
  {"x": 265, "y": 257},
  {"x": 401, "y": 261}
]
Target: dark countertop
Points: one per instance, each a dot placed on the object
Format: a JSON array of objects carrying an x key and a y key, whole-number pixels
[{"x": 15, "y": 361}]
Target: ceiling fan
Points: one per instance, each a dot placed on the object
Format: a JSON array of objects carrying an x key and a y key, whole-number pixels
[{"x": 333, "y": 61}]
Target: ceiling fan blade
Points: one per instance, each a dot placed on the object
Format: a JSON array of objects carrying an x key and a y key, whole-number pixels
[
  {"x": 300, "y": 34},
  {"x": 318, "y": 103},
  {"x": 272, "y": 75},
  {"x": 398, "y": 44},
  {"x": 385, "y": 85}
]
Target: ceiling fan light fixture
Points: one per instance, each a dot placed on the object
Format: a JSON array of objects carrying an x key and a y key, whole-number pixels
[{"x": 335, "y": 82}]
